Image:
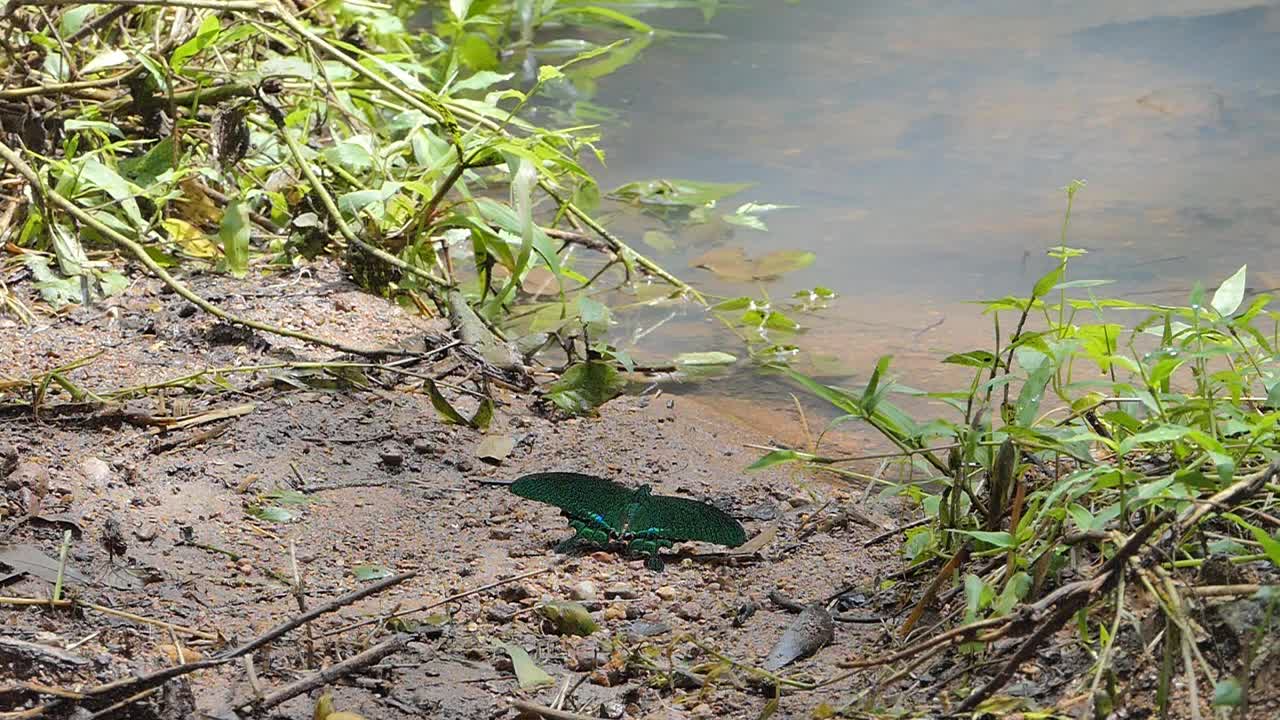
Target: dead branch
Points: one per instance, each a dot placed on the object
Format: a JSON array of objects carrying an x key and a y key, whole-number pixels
[
  {"x": 135, "y": 686},
  {"x": 327, "y": 675}
]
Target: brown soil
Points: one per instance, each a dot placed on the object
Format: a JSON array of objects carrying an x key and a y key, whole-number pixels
[{"x": 386, "y": 483}]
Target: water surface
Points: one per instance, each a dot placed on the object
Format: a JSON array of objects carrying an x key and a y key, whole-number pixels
[{"x": 926, "y": 144}]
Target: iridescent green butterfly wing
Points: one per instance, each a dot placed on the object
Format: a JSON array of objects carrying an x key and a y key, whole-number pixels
[
  {"x": 679, "y": 519},
  {"x": 601, "y": 510},
  {"x": 595, "y": 506}
]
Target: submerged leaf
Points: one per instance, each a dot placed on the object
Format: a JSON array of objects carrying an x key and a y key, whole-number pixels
[
  {"x": 705, "y": 358},
  {"x": 680, "y": 193}
]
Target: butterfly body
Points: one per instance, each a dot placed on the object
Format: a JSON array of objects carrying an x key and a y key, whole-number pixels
[{"x": 602, "y": 512}]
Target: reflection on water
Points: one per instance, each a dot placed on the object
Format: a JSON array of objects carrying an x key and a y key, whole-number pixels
[{"x": 926, "y": 146}]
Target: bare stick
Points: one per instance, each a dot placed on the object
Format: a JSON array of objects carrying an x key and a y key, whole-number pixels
[
  {"x": 525, "y": 706},
  {"x": 438, "y": 603},
  {"x": 329, "y": 674}
]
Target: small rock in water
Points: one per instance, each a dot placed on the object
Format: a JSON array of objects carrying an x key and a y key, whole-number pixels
[{"x": 585, "y": 590}]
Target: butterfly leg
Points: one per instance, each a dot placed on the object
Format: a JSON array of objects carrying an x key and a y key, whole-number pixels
[
  {"x": 648, "y": 549},
  {"x": 583, "y": 535}
]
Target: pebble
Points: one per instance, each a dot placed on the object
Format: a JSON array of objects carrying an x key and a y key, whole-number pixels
[
  {"x": 615, "y": 611},
  {"x": 624, "y": 592},
  {"x": 666, "y": 592},
  {"x": 499, "y": 533},
  {"x": 689, "y": 611},
  {"x": 391, "y": 458},
  {"x": 422, "y": 446},
  {"x": 501, "y": 613},
  {"x": 799, "y": 500},
  {"x": 27, "y": 474},
  {"x": 585, "y": 590}
]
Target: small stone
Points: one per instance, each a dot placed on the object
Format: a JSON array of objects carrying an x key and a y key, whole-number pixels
[
  {"x": 587, "y": 657},
  {"x": 8, "y": 459},
  {"x": 516, "y": 593},
  {"x": 585, "y": 590},
  {"x": 246, "y": 567},
  {"x": 666, "y": 592},
  {"x": 464, "y": 465},
  {"x": 624, "y": 592},
  {"x": 612, "y": 709},
  {"x": 391, "y": 458},
  {"x": 615, "y": 611},
  {"x": 689, "y": 611},
  {"x": 504, "y": 613},
  {"x": 702, "y": 710},
  {"x": 29, "y": 475},
  {"x": 500, "y": 533},
  {"x": 422, "y": 446},
  {"x": 799, "y": 500}
]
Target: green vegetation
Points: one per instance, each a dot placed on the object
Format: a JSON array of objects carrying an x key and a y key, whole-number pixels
[
  {"x": 393, "y": 137},
  {"x": 1104, "y": 455}
]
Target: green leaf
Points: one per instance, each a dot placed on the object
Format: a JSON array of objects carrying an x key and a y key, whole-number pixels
[
  {"x": 1228, "y": 693},
  {"x": 114, "y": 57},
  {"x": 594, "y": 315},
  {"x": 1000, "y": 539},
  {"x": 484, "y": 415},
  {"x": 705, "y": 358},
  {"x": 586, "y": 386},
  {"x": 973, "y": 358},
  {"x": 1164, "y": 433},
  {"x": 460, "y": 8},
  {"x": 481, "y": 80},
  {"x": 1044, "y": 284},
  {"x": 370, "y": 572},
  {"x": 234, "y": 234},
  {"x": 777, "y": 457},
  {"x": 269, "y": 513},
  {"x": 442, "y": 406},
  {"x": 568, "y": 618},
  {"x": 144, "y": 170},
  {"x": 100, "y": 176},
  {"x": 207, "y": 33},
  {"x": 528, "y": 674},
  {"x": 1227, "y": 299}
]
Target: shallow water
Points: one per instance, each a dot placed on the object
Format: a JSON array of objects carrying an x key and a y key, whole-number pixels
[{"x": 926, "y": 147}]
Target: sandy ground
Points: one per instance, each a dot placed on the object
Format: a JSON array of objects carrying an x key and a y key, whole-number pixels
[{"x": 373, "y": 477}]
